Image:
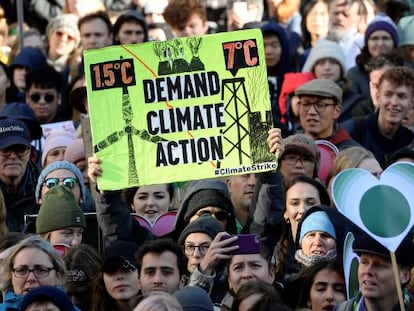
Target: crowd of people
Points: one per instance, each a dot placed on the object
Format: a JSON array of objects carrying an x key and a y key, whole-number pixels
[{"x": 341, "y": 85}]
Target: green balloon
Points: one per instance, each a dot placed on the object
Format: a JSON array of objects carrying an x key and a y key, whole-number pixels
[{"x": 384, "y": 211}]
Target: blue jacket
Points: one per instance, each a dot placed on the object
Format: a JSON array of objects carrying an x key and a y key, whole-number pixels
[{"x": 12, "y": 302}]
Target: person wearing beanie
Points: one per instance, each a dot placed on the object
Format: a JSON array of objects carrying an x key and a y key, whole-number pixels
[
  {"x": 130, "y": 28},
  {"x": 327, "y": 61},
  {"x": 75, "y": 154},
  {"x": 251, "y": 262},
  {"x": 29, "y": 58},
  {"x": 196, "y": 239},
  {"x": 206, "y": 247},
  {"x": 61, "y": 173},
  {"x": 316, "y": 237},
  {"x": 57, "y": 140},
  {"x": 381, "y": 37},
  {"x": 406, "y": 35},
  {"x": 193, "y": 298},
  {"x": 47, "y": 298},
  {"x": 60, "y": 219},
  {"x": 62, "y": 35},
  {"x": 301, "y": 156},
  {"x": 203, "y": 197}
]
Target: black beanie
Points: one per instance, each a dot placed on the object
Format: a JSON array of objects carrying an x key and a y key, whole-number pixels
[
  {"x": 48, "y": 293},
  {"x": 207, "y": 197},
  {"x": 205, "y": 224}
]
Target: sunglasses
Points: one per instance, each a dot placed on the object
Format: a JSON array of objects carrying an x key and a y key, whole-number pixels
[
  {"x": 69, "y": 182},
  {"x": 219, "y": 215},
  {"x": 35, "y": 97}
]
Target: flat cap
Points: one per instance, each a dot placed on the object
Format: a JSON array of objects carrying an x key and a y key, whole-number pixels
[{"x": 321, "y": 87}]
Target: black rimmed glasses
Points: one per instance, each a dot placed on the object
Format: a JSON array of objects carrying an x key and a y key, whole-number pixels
[
  {"x": 319, "y": 105},
  {"x": 292, "y": 159},
  {"x": 189, "y": 249},
  {"x": 38, "y": 271},
  {"x": 69, "y": 182}
]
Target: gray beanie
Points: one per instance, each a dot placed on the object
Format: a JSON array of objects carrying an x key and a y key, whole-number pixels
[
  {"x": 194, "y": 298},
  {"x": 59, "y": 210},
  {"x": 60, "y": 165},
  {"x": 64, "y": 20},
  {"x": 325, "y": 49},
  {"x": 205, "y": 224}
]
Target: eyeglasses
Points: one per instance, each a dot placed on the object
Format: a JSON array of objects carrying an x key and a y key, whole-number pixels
[
  {"x": 38, "y": 271},
  {"x": 69, "y": 182},
  {"x": 291, "y": 160},
  {"x": 319, "y": 106},
  {"x": 19, "y": 150},
  {"x": 189, "y": 249},
  {"x": 35, "y": 97},
  {"x": 219, "y": 215}
]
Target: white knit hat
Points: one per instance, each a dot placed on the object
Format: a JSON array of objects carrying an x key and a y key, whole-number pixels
[{"x": 325, "y": 49}]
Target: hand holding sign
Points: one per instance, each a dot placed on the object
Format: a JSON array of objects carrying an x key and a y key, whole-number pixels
[{"x": 383, "y": 208}]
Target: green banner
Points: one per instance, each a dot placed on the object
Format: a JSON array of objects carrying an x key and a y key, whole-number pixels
[{"x": 178, "y": 110}]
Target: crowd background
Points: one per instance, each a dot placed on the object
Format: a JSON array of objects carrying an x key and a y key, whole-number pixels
[{"x": 341, "y": 85}]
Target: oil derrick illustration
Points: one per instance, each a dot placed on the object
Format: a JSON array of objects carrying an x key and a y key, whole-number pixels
[
  {"x": 130, "y": 131},
  {"x": 235, "y": 90},
  {"x": 245, "y": 124}
]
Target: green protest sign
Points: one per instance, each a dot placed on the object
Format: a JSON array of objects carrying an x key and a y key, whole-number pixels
[{"x": 184, "y": 109}]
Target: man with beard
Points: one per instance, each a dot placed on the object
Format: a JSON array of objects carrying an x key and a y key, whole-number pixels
[{"x": 344, "y": 19}]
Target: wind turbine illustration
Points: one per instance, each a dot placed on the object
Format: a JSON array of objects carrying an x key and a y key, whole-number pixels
[{"x": 129, "y": 130}]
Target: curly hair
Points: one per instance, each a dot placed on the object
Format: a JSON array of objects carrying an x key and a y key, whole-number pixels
[{"x": 178, "y": 12}]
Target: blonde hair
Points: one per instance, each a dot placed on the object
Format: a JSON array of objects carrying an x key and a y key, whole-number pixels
[
  {"x": 159, "y": 301},
  {"x": 351, "y": 157},
  {"x": 32, "y": 241}
]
